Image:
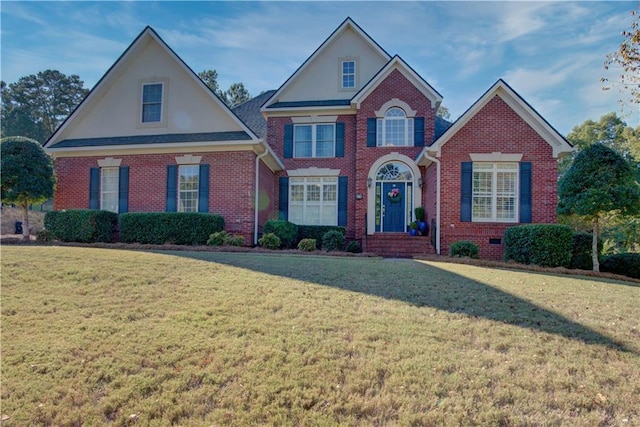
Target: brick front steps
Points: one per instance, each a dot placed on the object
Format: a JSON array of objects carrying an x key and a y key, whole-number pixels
[{"x": 397, "y": 245}]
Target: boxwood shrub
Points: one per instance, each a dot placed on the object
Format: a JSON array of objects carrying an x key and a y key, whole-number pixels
[
  {"x": 308, "y": 245},
  {"x": 627, "y": 264},
  {"x": 464, "y": 248},
  {"x": 333, "y": 240},
  {"x": 180, "y": 228},
  {"x": 285, "y": 230},
  {"x": 581, "y": 256},
  {"x": 269, "y": 241},
  {"x": 81, "y": 225},
  {"x": 316, "y": 232},
  {"x": 548, "y": 245}
]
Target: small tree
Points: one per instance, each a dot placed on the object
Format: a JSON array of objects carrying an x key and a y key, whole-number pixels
[
  {"x": 600, "y": 181},
  {"x": 27, "y": 175}
]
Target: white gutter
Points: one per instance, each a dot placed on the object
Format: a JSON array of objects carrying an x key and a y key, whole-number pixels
[
  {"x": 257, "y": 196},
  {"x": 437, "y": 162}
]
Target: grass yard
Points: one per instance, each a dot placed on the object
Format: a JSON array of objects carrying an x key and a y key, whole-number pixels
[{"x": 115, "y": 337}]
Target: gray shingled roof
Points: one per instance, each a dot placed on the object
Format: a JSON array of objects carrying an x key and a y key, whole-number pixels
[
  {"x": 153, "y": 139},
  {"x": 321, "y": 103},
  {"x": 441, "y": 127},
  {"x": 249, "y": 113}
]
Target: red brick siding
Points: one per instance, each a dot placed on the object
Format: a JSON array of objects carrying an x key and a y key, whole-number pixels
[
  {"x": 495, "y": 128},
  {"x": 267, "y": 207},
  {"x": 231, "y": 185}
]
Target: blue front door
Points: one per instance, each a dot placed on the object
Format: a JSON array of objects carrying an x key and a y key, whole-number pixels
[{"x": 393, "y": 209}]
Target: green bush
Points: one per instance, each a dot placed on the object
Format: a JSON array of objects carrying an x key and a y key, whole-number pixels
[
  {"x": 548, "y": 245},
  {"x": 316, "y": 232},
  {"x": 333, "y": 240},
  {"x": 81, "y": 225},
  {"x": 308, "y": 245},
  {"x": 627, "y": 264},
  {"x": 44, "y": 236},
  {"x": 218, "y": 238},
  {"x": 354, "y": 247},
  {"x": 581, "y": 257},
  {"x": 180, "y": 228},
  {"x": 235, "y": 240},
  {"x": 464, "y": 248},
  {"x": 285, "y": 230},
  {"x": 269, "y": 241}
]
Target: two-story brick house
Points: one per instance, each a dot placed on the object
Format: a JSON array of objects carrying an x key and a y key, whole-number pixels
[{"x": 350, "y": 139}]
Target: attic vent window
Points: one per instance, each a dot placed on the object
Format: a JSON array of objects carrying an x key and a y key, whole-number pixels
[
  {"x": 348, "y": 74},
  {"x": 152, "y": 103}
]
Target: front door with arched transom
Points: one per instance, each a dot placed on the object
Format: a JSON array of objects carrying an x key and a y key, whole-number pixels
[{"x": 394, "y": 193}]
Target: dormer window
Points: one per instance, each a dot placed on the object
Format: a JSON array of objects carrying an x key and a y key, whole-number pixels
[
  {"x": 152, "y": 102},
  {"x": 348, "y": 74}
]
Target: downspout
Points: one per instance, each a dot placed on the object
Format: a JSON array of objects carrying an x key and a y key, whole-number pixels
[
  {"x": 257, "y": 196},
  {"x": 437, "y": 162}
]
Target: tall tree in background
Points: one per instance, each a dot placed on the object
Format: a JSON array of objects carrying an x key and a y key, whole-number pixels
[
  {"x": 626, "y": 60},
  {"x": 39, "y": 102},
  {"x": 26, "y": 175},
  {"x": 599, "y": 182},
  {"x": 443, "y": 112},
  {"x": 234, "y": 96}
]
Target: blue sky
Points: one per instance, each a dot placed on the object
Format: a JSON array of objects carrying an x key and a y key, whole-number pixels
[{"x": 552, "y": 53}]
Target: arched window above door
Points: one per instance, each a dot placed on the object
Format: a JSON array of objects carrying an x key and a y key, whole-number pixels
[{"x": 394, "y": 171}]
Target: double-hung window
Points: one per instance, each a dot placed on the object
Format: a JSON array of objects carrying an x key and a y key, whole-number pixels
[
  {"x": 109, "y": 188},
  {"x": 314, "y": 140},
  {"x": 348, "y": 74},
  {"x": 152, "y": 102},
  {"x": 495, "y": 192},
  {"x": 394, "y": 129},
  {"x": 313, "y": 200},
  {"x": 188, "y": 182}
]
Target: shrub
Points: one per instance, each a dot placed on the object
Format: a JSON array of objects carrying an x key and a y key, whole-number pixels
[
  {"x": 308, "y": 245},
  {"x": 285, "y": 230},
  {"x": 627, "y": 264},
  {"x": 333, "y": 240},
  {"x": 464, "y": 248},
  {"x": 235, "y": 240},
  {"x": 354, "y": 247},
  {"x": 269, "y": 241},
  {"x": 180, "y": 228},
  {"x": 316, "y": 232},
  {"x": 81, "y": 225},
  {"x": 581, "y": 256},
  {"x": 420, "y": 213},
  {"x": 548, "y": 245},
  {"x": 44, "y": 236},
  {"x": 218, "y": 238}
]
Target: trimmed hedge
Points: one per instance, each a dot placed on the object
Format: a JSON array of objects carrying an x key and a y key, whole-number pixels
[
  {"x": 548, "y": 245},
  {"x": 464, "y": 248},
  {"x": 581, "y": 256},
  {"x": 627, "y": 264},
  {"x": 180, "y": 228},
  {"x": 316, "y": 232},
  {"x": 333, "y": 240},
  {"x": 269, "y": 241},
  {"x": 81, "y": 225},
  {"x": 286, "y": 231}
]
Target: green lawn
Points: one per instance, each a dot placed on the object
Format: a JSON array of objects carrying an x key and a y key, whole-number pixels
[{"x": 99, "y": 336}]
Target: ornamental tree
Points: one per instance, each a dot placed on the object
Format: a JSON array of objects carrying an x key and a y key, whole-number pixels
[
  {"x": 27, "y": 175},
  {"x": 599, "y": 182}
]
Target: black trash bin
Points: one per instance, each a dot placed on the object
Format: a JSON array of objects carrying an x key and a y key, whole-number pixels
[{"x": 18, "y": 227}]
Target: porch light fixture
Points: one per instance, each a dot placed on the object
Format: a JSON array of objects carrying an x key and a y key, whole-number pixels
[
  {"x": 369, "y": 182},
  {"x": 420, "y": 182}
]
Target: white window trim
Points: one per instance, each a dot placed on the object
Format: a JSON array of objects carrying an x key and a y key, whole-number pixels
[
  {"x": 115, "y": 169},
  {"x": 322, "y": 204},
  {"x": 180, "y": 191},
  {"x": 164, "y": 81},
  {"x": 314, "y": 140},
  {"x": 381, "y": 135},
  {"x": 494, "y": 194},
  {"x": 356, "y": 72}
]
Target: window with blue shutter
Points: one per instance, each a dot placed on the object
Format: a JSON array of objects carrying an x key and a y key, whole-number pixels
[
  {"x": 342, "y": 200},
  {"x": 94, "y": 188},
  {"x": 203, "y": 189},
  {"x": 525, "y": 192},
  {"x": 466, "y": 192},
  {"x": 283, "y": 204},
  {"x": 123, "y": 189},
  {"x": 339, "y": 139},
  {"x": 372, "y": 124},
  {"x": 418, "y": 131},
  {"x": 172, "y": 188},
  {"x": 288, "y": 141}
]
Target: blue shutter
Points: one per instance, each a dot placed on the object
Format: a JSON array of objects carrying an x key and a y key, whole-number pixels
[
  {"x": 418, "y": 131},
  {"x": 283, "y": 205},
  {"x": 288, "y": 141},
  {"x": 342, "y": 200},
  {"x": 466, "y": 191},
  {"x": 172, "y": 188},
  {"x": 372, "y": 124},
  {"x": 203, "y": 189},
  {"x": 123, "y": 189},
  {"x": 525, "y": 192},
  {"x": 339, "y": 139},
  {"x": 94, "y": 188}
]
